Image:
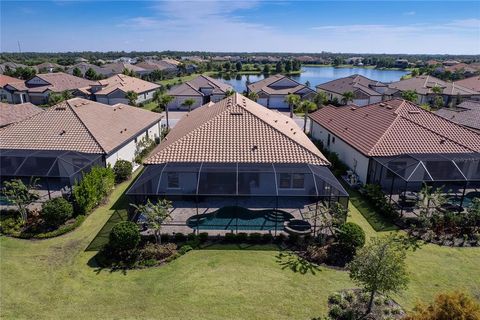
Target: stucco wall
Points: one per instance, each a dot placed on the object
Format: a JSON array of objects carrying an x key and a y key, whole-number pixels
[
  {"x": 176, "y": 103},
  {"x": 350, "y": 156}
]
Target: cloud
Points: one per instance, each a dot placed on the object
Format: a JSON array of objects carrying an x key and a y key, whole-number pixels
[
  {"x": 409, "y": 13},
  {"x": 466, "y": 23}
]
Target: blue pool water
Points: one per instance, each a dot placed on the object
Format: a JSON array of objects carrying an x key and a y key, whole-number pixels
[{"x": 237, "y": 218}]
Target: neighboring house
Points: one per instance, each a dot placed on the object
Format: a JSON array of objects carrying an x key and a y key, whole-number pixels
[
  {"x": 118, "y": 68},
  {"x": 112, "y": 90},
  {"x": 237, "y": 153},
  {"x": 160, "y": 65},
  {"x": 63, "y": 141},
  {"x": 84, "y": 66},
  {"x": 423, "y": 85},
  {"x": 397, "y": 144},
  {"x": 450, "y": 62},
  {"x": 472, "y": 83},
  {"x": 401, "y": 63},
  {"x": 202, "y": 89},
  {"x": 41, "y": 86},
  {"x": 465, "y": 69},
  {"x": 10, "y": 65},
  {"x": 273, "y": 90},
  {"x": 48, "y": 67},
  {"x": 365, "y": 90},
  {"x": 11, "y": 96},
  {"x": 466, "y": 114},
  {"x": 13, "y": 113}
]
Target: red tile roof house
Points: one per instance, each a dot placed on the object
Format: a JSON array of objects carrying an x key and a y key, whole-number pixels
[
  {"x": 202, "y": 89},
  {"x": 273, "y": 90},
  {"x": 365, "y": 90},
  {"x": 11, "y": 96},
  {"x": 235, "y": 154},
  {"x": 41, "y": 86},
  {"x": 400, "y": 146},
  {"x": 58, "y": 144}
]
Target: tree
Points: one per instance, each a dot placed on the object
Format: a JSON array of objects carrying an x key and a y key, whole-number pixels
[
  {"x": 238, "y": 66},
  {"x": 227, "y": 66},
  {"x": 307, "y": 83},
  {"x": 320, "y": 99},
  {"x": 56, "y": 211},
  {"x": 306, "y": 106},
  {"x": 380, "y": 267},
  {"x": 77, "y": 72},
  {"x": 350, "y": 238},
  {"x": 124, "y": 236},
  {"x": 90, "y": 74},
  {"x": 229, "y": 93},
  {"x": 252, "y": 96},
  {"x": 347, "y": 97},
  {"x": 337, "y": 61},
  {"x": 437, "y": 98},
  {"x": 20, "y": 195},
  {"x": 288, "y": 66},
  {"x": 447, "y": 306},
  {"x": 155, "y": 215},
  {"x": 122, "y": 170},
  {"x": 132, "y": 97},
  {"x": 279, "y": 67},
  {"x": 410, "y": 95},
  {"x": 188, "y": 103},
  {"x": 162, "y": 100},
  {"x": 266, "y": 69},
  {"x": 293, "y": 100}
]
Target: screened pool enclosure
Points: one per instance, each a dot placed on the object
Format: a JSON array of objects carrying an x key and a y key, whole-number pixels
[
  {"x": 456, "y": 176},
  {"x": 214, "y": 196},
  {"x": 55, "y": 171}
]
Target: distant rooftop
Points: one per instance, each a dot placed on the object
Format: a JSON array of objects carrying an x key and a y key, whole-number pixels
[
  {"x": 13, "y": 113},
  {"x": 466, "y": 114}
]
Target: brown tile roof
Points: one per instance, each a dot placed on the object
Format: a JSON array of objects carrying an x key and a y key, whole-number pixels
[
  {"x": 4, "y": 80},
  {"x": 466, "y": 114},
  {"x": 424, "y": 84},
  {"x": 353, "y": 83},
  {"x": 59, "y": 82},
  {"x": 396, "y": 127},
  {"x": 472, "y": 83},
  {"x": 192, "y": 87},
  {"x": 236, "y": 129},
  {"x": 13, "y": 113},
  {"x": 156, "y": 65},
  {"x": 118, "y": 67},
  {"x": 125, "y": 83},
  {"x": 267, "y": 85},
  {"x": 78, "y": 125}
]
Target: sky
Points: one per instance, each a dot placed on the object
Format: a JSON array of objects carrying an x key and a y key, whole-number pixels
[{"x": 414, "y": 27}]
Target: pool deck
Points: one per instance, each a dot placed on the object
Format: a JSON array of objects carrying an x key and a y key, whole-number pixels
[{"x": 183, "y": 210}]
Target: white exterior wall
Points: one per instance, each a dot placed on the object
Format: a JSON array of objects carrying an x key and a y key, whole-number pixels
[
  {"x": 127, "y": 152},
  {"x": 145, "y": 96},
  {"x": 217, "y": 97},
  {"x": 346, "y": 153},
  {"x": 176, "y": 103}
]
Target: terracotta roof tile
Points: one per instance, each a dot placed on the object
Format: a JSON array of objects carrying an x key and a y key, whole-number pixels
[
  {"x": 425, "y": 84},
  {"x": 236, "y": 129},
  {"x": 13, "y": 113},
  {"x": 267, "y": 85},
  {"x": 396, "y": 127},
  {"x": 125, "y": 83}
]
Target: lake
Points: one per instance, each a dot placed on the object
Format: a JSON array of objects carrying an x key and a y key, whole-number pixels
[{"x": 318, "y": 75}]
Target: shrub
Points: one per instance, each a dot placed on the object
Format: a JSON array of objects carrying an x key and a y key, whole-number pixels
[
  {"x": 184, "y": 249},
  {"x": 280, "y": 238},
  {"x": 165, "y": 237},
  {"x": 11, "y": 225},
  {"x": 192, "y": 237},
  {"x": 335, "y": 311},
  {"x": 350, "y": 237},
  {"x": 242, "y": 237},
  {"x": 93, "y": 188},
  {"x": 267, "y": 237},
  {"x": 180, "y": 237},
  {"x": 56, "y": 211},
  {"x": 203, "y": 237},
  {"x": 335, "y": 298},
  {"x": 124, "y": 236},
  {"x": 255, "y": 237},
  {"x": 122, "y": 170},
  {"x": 230, "y": 237},
  {"x": 317, "y": 254},
  {"x": 154, "y": 251}
]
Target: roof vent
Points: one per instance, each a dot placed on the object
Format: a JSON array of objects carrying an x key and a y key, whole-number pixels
[
  {"x": 389, "y": 107},
  {"x": 442, "y": 141},
  {"x": 62, "y": 132},
  {"x": 353, "y": 108},
  {"x": 382, "y": 104},
  {"x": 236, "y": 113},
  {"x": 254, "y": 148},
  {"x": 414, "y": 111}
]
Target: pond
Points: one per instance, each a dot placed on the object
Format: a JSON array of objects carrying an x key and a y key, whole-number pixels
[{"x": 318, "y": 75}]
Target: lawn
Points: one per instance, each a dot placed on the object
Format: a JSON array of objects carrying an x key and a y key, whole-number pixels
[{"x": 56, "y": 278}]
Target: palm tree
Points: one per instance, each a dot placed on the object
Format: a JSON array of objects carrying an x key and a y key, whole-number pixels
[
  {"x": 188, "y": 103},
  {"x": 320, "y": 99},
  {"x": 437, "y": 99},
  {"x": 293, "y": 101},
  {"x": 252, "y": 96},
  {"x": 162, "y": 100},
  {"x": 132, "y": 97},
  {"x": 306, "y": 106},
  {"x": 347, "y": 97},
  {"x": 229, "y": 93}
]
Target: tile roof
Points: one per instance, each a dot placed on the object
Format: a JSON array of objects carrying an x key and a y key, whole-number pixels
[
  {"x": 13, "y": 113},
  {"x": 236, "y": 129},
  {"x": 472, "y": 83},
  {"x": 59, "y": 82},
  {"x": 78, "y": 125},
  {"x": 118, "y": 67},
  {"x": 396, "y": 127},
  {"x": 125, "y": 83},
  {"x": 267, "y": 85},
  {"x": 466, "y": 114},
  {"x": 353, "y": 83},
  {"x": 156, "y": 65},
  {"x": 4, "y": 80},
  {"x": 192, "y": 87},
  {"x": 424, "y": 84}
]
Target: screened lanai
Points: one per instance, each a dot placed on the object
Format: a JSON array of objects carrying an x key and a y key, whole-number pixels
[
  {"x": 55, "y": 171},
  {"x": 207, "y": 190},
  {"x": 402, "y": 178}
]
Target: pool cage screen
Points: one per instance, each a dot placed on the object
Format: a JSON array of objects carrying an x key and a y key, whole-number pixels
[
  {"x": 403, "y": 177},
  {"x": 55, "y": 171},
  {"x": 206, "y": 188}
]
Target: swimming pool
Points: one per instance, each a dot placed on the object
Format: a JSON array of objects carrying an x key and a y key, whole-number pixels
[
  {"x": 238, "y": 218},
  {"x": 467, "y": 200}
]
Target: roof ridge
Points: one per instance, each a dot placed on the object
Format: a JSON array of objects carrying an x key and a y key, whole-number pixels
[
  {"x": 191, "y": 86},
  {"x": 83, "y": 124},
  {"x": 390, "y": 127}
]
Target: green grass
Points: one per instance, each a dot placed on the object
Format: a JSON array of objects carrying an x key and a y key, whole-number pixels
[
  {"x": 183, "y": 78},
  {"x": 150, "y": 106},
  {"x": 57, "y": 279}
]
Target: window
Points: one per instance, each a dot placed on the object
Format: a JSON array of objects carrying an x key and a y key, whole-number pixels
[
  {"x": 328, "y": 140},
  {"x": 333, "y": 139},
  {"x": 173, "y": 180},
  {"x": 291, "y": 181}
]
